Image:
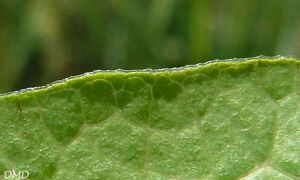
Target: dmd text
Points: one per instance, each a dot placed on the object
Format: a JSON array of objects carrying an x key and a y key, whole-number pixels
[{"x": 16, "y": 174}]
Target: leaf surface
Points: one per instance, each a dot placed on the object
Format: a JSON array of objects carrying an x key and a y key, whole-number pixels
[{"x": 236, "y": 119}]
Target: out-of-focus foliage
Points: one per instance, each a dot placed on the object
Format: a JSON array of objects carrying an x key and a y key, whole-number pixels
[{"x": 42, "y": 41}]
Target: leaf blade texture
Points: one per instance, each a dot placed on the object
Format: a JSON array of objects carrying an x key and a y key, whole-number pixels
[{"x": 223, "y": 120}]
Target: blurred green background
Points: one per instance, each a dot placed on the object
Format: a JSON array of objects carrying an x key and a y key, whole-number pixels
[{"x": 46, "y": 40}]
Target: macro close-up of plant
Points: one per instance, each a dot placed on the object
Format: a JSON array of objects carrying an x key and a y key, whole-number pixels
[
  {"x": 234, "y": 119},
  {"x": 150, "y": 90}
]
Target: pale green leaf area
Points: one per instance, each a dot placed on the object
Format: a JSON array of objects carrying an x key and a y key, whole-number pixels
[{"x": 236, "y": 119}]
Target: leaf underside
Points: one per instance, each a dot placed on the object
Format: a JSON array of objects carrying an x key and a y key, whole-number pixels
[{"x": 223, "y": 120}]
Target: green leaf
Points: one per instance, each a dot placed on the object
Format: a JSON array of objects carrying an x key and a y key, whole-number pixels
[{"x": 234, "y": 119}]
